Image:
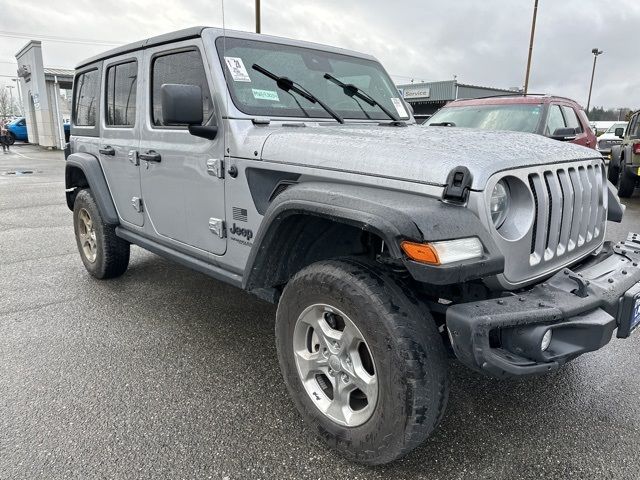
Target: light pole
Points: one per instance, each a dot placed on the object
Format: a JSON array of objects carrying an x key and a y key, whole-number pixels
[
  {"x": 533, "y": 33},
  {"x": 595, "y": 52},
  {"x": 257, "y": 16},
  {"x": 20, "y": 109}
]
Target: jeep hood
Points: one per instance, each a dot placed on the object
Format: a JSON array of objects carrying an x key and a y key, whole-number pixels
[{"x": 415, "y": 153}]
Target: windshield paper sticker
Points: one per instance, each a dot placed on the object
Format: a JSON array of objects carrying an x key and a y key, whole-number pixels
[
  {"x": 238, "y": 71},
  {"x": 399, "y": 106},
  {"x": 265, "y": 95}
]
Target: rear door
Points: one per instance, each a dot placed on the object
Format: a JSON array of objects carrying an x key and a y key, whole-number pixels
[
  {"x": 183, "y": 194},
  {"x": 120, "y": 135}
]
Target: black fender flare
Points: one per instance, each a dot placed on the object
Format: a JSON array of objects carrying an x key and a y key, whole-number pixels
[
  {"x": 393, "y": 216},
  {"x": 90, "y": 167},
  {"x": 615, "y": 210}
]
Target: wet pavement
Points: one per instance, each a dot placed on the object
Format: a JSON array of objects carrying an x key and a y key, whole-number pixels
[{"x": 166, "y": 373}]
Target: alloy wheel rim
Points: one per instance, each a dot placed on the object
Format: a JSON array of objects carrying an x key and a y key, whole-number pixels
[
  {"x": 335, "y": 365},
  {"x": 87, "y": 235}
]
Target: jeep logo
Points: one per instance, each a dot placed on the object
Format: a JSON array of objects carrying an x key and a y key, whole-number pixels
[{"x": 241, "y": 232}]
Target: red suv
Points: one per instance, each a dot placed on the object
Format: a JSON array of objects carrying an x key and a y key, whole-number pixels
[{"x": 554, "y": 117}]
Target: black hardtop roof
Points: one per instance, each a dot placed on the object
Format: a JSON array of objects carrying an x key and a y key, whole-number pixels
[{"x": 184, "y": 34}]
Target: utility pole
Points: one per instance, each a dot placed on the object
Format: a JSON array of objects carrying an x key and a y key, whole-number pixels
[
  {"x": 257, "y": 16},
  {"x": 533, "y": 34},
  {"x": 595, "y": 52}
]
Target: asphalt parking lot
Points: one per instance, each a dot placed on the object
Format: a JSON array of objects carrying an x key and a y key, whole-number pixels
[{"x": 166, "y": 373}]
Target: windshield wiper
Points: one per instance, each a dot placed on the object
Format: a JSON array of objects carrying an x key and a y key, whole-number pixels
[
  {"x": 353, "y": 91},
  {"x": 442, "y": 124},
  {"x": 288, "y": 85}
]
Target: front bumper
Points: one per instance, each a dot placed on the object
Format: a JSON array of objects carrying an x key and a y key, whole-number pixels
[{"x": 501, "y": 337}]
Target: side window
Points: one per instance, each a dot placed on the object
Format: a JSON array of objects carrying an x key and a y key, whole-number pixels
[
  {"x": 572, "y": 119},
  {"x": 22, "y": 123},
  {"x": 86, "y": 98},
  {"x": 555, "y": 120},
  {"x": 121, "y": 89},
  {"x": 182, "y": 67}
]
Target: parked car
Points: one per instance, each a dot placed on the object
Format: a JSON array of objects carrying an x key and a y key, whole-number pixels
[
  {"x": 624, "y": 167},
  {"x": 609, "y": 138},
  {"x": 17, "y": 130},
  {"x": 296, "y": 172},
  {"x": 554, "y": 117}
]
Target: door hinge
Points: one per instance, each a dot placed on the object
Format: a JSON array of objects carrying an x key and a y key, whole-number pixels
[
  {"x": 133, "y": 157},
  {"x": 215, "y": 167},
  {"x": 136, "y": 203},
  {"x": 217, "y": 226}
]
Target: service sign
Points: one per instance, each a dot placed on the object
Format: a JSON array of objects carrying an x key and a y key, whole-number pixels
[{"x": 417, "y": 92}]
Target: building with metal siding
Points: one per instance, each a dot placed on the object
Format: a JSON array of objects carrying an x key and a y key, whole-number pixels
[{"x": 427, "y": 97}]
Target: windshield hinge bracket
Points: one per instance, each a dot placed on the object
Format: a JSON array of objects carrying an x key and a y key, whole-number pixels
[{"x": 458, "y": 185}]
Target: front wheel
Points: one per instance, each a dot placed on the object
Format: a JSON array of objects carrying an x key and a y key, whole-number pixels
[
  {"x": 11, "y": 138},
  {"x": 363, "y": 361}
]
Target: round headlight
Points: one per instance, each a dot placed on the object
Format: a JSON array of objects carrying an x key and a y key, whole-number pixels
[{"x": 500, "y": 202}]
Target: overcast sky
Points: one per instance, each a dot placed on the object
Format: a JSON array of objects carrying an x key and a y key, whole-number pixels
[{"x": 483, "y": 42}]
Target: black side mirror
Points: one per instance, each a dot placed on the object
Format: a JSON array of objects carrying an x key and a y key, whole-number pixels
[
  {"x": 564, "y": 134},
  {"x": 182, "y": 105},
  {"x": 620, "y": 132}
]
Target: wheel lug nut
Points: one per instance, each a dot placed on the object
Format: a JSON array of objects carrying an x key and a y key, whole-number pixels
[{"x": 345, "y": 378}]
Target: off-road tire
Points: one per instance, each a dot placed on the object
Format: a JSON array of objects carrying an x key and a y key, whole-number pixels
[
  {"x": 627, "y": 184},
  {"x": 111, "y": 252},
  {"x": 407, "y": 349}
]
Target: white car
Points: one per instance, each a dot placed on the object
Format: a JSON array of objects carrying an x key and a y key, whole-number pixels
[{"x": 608, "y": 139}]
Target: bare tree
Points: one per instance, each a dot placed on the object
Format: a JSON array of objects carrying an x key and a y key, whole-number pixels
[{"x": 7, "y": 106}]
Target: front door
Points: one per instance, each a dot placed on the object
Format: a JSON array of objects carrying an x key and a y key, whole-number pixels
[
  {"x": 183, "y": 195},
  {"x": 120, "y": 137}
]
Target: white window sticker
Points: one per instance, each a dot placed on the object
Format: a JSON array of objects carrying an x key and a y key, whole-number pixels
[
  {"x": 399, "y": 107},
  {"x": 265, "y": 95},
  {"x": 238, "y": 71}
]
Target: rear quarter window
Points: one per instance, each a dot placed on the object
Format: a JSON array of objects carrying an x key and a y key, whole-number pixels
[{"x": 86, "y": 98}]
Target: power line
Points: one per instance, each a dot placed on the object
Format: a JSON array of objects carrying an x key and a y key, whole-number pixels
[{"x": 53, "y": 38}]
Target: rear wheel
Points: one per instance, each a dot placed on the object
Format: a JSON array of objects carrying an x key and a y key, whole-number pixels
[
  {"x": 627, "y": 184},
  {"x": 103, "y": 254},
  {"x": 363, "y": 361}
]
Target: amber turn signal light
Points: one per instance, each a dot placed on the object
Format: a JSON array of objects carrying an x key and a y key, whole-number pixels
[{"x": 420, "y": 252}]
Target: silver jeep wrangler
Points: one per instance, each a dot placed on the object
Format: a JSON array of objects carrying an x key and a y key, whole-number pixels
[{"x": 295, "y": 171}]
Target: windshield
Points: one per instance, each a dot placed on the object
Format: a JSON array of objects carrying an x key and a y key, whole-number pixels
[
  {"x": 612, "y": 128},
  {"x": 257, "y": 94},
  {"x": 518, "y": 118}
]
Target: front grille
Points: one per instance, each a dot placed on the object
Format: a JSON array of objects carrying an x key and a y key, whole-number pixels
[
  {"x": 562, "y": 220},
  {"x": 569, "y": 211}
]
